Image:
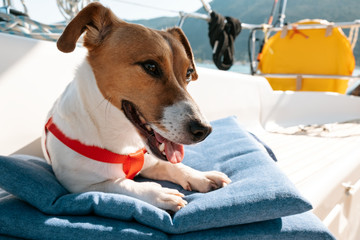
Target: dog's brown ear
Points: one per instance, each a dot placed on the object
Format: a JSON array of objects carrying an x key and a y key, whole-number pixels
[
  {"x": 180, "y": 35},
  {"x": 95, "y": 19}
]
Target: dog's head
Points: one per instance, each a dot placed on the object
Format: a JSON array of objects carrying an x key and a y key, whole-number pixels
[{"x": 144, "y": 73}]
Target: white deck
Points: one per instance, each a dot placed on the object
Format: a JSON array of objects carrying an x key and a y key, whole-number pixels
[{"x": 33, "y": 73}]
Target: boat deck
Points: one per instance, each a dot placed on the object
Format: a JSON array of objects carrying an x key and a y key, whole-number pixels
[
  {"x": 316, "y": 157},
  {"x": 311, "y": 148}
]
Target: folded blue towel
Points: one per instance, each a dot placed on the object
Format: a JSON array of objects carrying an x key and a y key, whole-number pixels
[{"x": 259, "y": 194}]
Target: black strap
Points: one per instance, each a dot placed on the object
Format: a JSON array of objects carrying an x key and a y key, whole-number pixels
[{"x": 222, "y": 34}]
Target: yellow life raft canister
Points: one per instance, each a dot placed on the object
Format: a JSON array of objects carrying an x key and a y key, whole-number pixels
[{"x": 308, "y": 51}]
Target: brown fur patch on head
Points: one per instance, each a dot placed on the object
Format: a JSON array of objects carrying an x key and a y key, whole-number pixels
[
  {"x": 118, "y": 66},
  {"x": 118, "y": 54}
]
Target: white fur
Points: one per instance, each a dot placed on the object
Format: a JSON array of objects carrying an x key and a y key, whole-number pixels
[
  {"x": 176, "y": 118},
  {"x": 83, "y": 113}
]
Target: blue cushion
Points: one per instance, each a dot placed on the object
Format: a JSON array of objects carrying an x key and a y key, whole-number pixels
[
  {"x": 259, "y": 191},
  {"x": 20, "y": 220}
]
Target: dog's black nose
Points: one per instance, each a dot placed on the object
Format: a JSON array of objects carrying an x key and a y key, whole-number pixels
[{"x": 199, "y": 130}]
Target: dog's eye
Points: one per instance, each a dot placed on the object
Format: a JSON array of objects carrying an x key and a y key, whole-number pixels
[
  {"x": 151, "y": 68},
  {"x": 188, "y": 74}
]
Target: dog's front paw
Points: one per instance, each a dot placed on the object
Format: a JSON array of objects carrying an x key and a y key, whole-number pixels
[
  {"x": 164, "y": 198},
  {"x": 205, "y": 181}
]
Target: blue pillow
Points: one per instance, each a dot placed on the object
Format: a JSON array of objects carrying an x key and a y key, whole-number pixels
[
  {"x": 19, "y": 219},
  {"x": 259, "y": 190}
]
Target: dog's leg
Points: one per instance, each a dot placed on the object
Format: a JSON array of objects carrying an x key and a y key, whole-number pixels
[
  {"x": 190, "y": 179},
  {"x": 151, "y": 192}
]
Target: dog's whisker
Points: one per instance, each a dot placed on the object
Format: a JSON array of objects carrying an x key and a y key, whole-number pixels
[{"x": 108, "y": 105}]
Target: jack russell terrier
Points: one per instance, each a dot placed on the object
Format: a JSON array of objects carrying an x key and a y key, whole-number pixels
[{"x": 126, "y": 111}]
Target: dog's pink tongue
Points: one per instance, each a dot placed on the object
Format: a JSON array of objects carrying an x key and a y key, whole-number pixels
[{"x": 174, "y": 152}]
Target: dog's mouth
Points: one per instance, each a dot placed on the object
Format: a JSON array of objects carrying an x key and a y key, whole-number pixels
[{"x": 159, "y": 146}]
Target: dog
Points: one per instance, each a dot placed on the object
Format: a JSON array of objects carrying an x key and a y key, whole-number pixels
[{"x": 127, "y": 112}]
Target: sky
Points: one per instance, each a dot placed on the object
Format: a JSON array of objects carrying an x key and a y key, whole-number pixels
[{"x": 46, "y": 11}]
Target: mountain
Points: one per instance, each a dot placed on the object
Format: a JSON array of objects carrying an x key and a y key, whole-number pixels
[{"x": 257, "y": 12}]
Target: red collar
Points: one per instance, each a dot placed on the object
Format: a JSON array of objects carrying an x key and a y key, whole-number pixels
[{"x": 132, "y": 163}]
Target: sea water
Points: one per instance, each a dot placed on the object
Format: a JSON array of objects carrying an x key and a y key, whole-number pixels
[
  {"x": 240, "y": 68},
  {"x": 245, "y": 68}
]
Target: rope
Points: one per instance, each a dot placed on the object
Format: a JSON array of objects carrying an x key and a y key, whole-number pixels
[
  {"x": 353, "y": 36},
  {"x": 69, "y": 8},
  {"x": 329, "y": 130},
  {"x": 24, "y": 26},
  {"x": 222, "y": 34}
]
